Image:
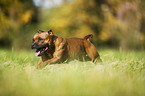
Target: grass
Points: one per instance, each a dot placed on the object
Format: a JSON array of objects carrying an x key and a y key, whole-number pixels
[{"x": 120, "y": 74}]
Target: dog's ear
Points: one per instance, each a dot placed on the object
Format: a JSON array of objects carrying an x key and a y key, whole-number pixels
[{"x": 50, "y": 32}]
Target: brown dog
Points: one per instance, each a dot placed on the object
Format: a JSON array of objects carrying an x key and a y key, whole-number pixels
[{"x": 55, "y": 49}]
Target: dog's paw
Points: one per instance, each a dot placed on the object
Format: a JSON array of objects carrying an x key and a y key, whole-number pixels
[{"x": 39, "y": 66}]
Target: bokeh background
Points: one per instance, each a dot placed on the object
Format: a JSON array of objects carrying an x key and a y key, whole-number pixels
[{"x": 114, "y": 23}]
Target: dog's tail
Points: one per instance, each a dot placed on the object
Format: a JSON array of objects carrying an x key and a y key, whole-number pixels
[{"x": 86, "y": 37}]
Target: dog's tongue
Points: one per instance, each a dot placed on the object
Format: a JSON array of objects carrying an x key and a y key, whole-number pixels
[{"x": 37, "y": 53}]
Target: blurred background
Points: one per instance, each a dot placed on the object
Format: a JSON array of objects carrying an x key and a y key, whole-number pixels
[{"x": 116, "y": 24}]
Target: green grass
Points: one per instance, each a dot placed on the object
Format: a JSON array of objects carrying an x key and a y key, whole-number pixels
[{"x": 120, "y": 74}]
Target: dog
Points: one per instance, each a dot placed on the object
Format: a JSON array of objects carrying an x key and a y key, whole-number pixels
[{"x": 55, "y": 49}]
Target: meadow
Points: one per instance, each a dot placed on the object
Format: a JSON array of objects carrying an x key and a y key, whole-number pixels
[{"x": 122, "y": 73}]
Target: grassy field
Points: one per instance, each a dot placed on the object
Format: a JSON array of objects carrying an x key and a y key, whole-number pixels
[{"x": 120, "y": 74}]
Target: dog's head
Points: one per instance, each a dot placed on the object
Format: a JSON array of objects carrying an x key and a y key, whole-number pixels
[{"x": 42, "y": 41}]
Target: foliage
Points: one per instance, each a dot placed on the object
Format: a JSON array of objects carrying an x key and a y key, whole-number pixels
[
  {"x": 120, "y": 74},
  {"x": 115, "y": 23},
  {"x": 14, "y": 14}
]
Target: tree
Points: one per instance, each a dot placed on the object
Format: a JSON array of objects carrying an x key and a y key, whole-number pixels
[{"x": 13, "y": 15}]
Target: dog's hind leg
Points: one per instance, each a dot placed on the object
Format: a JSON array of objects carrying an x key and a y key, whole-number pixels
[{"x": 91, "y": 51}]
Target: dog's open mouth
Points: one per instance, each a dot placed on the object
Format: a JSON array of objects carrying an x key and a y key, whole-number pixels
[{"x": 40, "y": 51}]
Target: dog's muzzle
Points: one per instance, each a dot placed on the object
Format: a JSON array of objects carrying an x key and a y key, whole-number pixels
[{"x": 40, "y": 49}]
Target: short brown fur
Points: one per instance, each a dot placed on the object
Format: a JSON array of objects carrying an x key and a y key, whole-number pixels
[{"x": 62, "y": 49}]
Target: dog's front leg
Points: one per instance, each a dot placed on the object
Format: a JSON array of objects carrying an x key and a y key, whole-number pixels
[
  {"x": 56, "y": 58},
  {"x": 50, "y": 61}
]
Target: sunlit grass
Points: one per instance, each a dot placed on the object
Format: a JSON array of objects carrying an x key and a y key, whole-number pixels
[{"x": 120, "y": 74}]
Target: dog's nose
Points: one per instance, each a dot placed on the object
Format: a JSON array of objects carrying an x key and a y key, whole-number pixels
[{"x": 33, "y": 45}]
